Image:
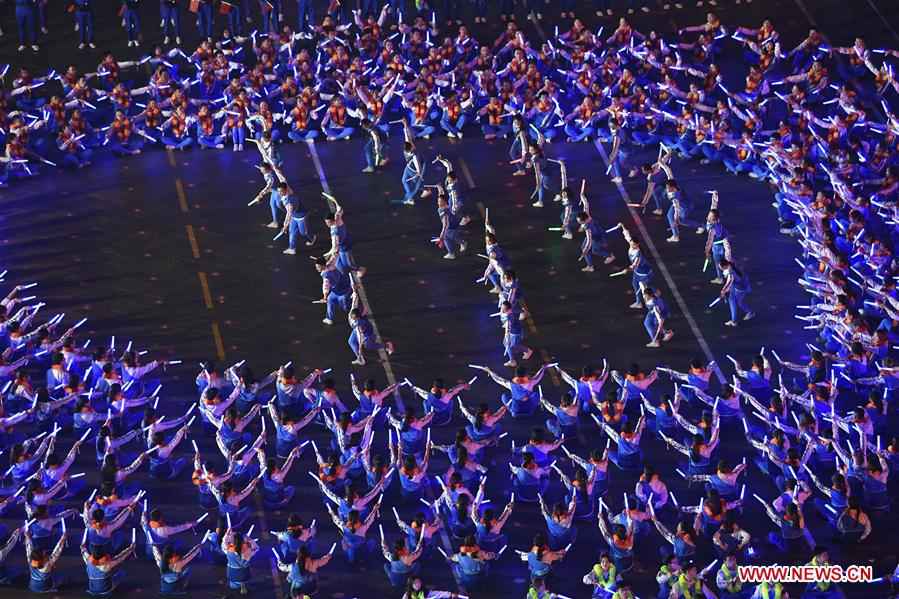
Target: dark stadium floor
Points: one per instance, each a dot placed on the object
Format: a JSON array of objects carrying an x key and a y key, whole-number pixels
[{"x": 162, "y": 249}]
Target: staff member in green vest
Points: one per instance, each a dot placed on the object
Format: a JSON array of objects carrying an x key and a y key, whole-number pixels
[
  {"x": 766, "y": 591},
  {"x": 690, "y": 586},
  {"x": 624, "y": 591},
  {"x": 415, "y": 589},
  {"x": 823, "y": 589},
  {"x": 538, "y": 590},
  {"x": 667, "y": 576},
  {"x": 729, "y": 584},
  {"x": 603, "y": 577}
]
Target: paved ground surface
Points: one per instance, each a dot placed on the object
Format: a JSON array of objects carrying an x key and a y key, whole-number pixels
[{"x": 188, "y": 270}]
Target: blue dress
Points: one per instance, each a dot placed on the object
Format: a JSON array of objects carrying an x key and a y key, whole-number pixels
[
  {"x": 559, "y": 536},
  {"x": 527, "y": 487},
  {"x": 443, "y": 412},
  {"x": 562, "y": 424},
  {"x": 725, "y": 489},
  {"x": 537, "y": 567},
  {"x": 584, "y": 502},
  {"x": 353, "y": 544},
  {"x": 39, "y": 582},
  {"x": 398, "y": 571},
  {"x": 483, "y": 432},
  {"x": 276, "y": 494},
  {"x": 469, "y": 571},
  {"x": 301, "y": 581},
  {"x": 698, "y": 464},
  {"x": 460, "y": 525},
  {"x": 541, "y": 458},
  {"x": 172, "y": 583},
  {"x": 100, "y": 582},
  {"x": 285, "y": 441},
  {"x": 289, "y": 545},
  {"x": 238, "y": 570},
  {"x": 523, "y": 401},
  {"x": 411, "y": 487},
  {"x": 628, "y": 456},
  {"x": 489, "y": 540},
  {"x": 412, "y": 441}
]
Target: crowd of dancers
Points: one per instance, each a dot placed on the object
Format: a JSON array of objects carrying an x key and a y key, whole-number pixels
[
  {"x": 814, "y": 122},
  {"x": 233, "y": 20}
]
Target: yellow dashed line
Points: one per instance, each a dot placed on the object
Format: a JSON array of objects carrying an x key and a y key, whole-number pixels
[
  {"x": 194, "y": 246},
  {"x": 220, "y": 349},
  {"x": 217, "y": 337},
  {"x": 204, "y": 285},
  {"x": 466, "y": 172},
  {"x": 182, "y": 197}
]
